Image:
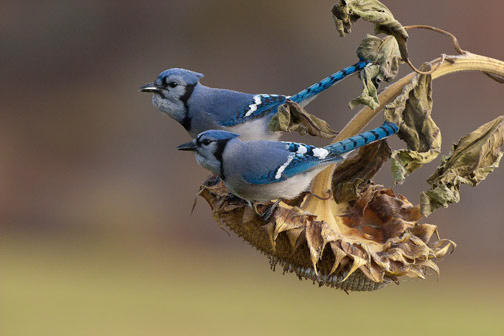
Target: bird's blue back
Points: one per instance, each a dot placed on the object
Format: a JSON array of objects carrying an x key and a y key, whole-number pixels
[
  {"x": 231, "y": 107},
  {"x": 265, "y": 162},
  {"x": 228, "y": 108}
]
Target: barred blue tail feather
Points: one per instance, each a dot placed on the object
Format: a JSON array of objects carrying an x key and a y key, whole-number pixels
[
  {"x": 327, "y": 82},
  {"x": 365, "y": 138}
]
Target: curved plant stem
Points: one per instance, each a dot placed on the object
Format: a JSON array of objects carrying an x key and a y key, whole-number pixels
[
  {"x": 452, "y": 64},
  {"x": 455, "y": 41}
]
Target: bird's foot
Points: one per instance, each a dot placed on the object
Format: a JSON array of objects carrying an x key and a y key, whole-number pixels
[
  {"x": 212, "y": 181},
  {"x": 266, "y": 216}
]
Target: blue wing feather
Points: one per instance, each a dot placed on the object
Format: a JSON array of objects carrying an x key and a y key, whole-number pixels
[
  {"x": 230, "y": 108},
  {"x": 296, "y": 158},
  {"x": 286, "y": 159},
  {"x": 256, "y": 107}
]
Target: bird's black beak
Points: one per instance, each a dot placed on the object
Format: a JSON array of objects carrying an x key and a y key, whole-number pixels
[
  {"x": 151, "y": 87},
  {"x": 188, "y": 146}
]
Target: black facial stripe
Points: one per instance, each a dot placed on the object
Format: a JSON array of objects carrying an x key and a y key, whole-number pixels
[
  {"x": 187, "y": 94},
  {"x": 186, "y": 122},
  {"x": 221, "y": 145}
]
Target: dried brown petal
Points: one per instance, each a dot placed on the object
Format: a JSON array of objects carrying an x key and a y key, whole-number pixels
[
  {"x": 315, "y": 242},
  {"x": 294, "y": 237},
  {"x": 357, "y": 263},
  {"x": 339, "y": 254},
  {"x": 424, "y": 231}
]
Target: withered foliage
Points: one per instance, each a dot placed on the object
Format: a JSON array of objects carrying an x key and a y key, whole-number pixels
[
  {"x": 411, "y": 111},
  {"x": 373, "y": 241},
  {"x": 353, "y": 174},
  {"x": 472, "y": 159},
  {"x": 384, "y": 57},
  {"x": 291, "y": 117},
  {"x": 365, "y": 235},
  {"x": 346, "y": 12}
]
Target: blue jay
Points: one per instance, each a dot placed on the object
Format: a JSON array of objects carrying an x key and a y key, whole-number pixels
[
  {"x": 267, "y": 170},
  {"x": 198, "y": 108}
]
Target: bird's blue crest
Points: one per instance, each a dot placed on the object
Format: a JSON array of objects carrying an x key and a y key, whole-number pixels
[
  {"x": 217, "y": 135},
  {"x": 190, "y": 77}
]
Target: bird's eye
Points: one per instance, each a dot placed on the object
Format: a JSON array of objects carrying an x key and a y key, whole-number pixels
[
  {"x": 206, "y": 142},
  {"x": 172, "y": 84}
]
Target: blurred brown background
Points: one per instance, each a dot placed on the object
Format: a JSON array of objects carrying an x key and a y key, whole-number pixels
[{"x": 91, "y": 181}]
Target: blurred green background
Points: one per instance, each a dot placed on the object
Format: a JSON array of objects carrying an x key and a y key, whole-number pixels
[{"x": 95, "y": 233}]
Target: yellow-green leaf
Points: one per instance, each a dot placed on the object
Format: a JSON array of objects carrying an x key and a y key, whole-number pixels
[{"x": 472, "y": 159}]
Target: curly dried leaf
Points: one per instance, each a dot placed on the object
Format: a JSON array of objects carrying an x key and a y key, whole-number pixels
[
  {"x": 353, "y": 174},
  {"x": 345, "y": 12},
  {"x": 472, "y": 159},
  {"x": 411, "y": 110},
  {"x": 385, "y": 57},
  {"x": 383, "y": 52},
  {"x": 291, "y": 117},
  {"x": 369, "y": 95}
]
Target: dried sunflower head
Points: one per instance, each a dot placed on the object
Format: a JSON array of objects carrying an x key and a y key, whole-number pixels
[{"x": 368, "y": 243}]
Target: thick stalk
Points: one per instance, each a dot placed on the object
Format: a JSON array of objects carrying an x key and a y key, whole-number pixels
[{"x": 452, "y": 64}]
